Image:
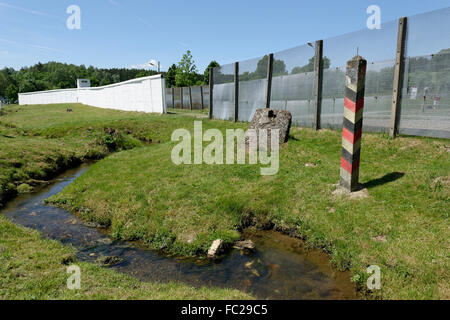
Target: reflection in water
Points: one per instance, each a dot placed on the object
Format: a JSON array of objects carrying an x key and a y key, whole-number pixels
[{"x": 280, "y": 268}]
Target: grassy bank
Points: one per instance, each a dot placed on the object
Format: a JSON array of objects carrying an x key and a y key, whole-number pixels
[
  {"x": 38, "y": 142},
  {"x": 35, "y": 268},
  {"x": 141, "y": 195}
]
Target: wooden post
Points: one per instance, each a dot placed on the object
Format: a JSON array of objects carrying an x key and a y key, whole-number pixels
[
  {"x": 201, "y": 98},
  {"x": 269, "y": 80},
  {"x": 181, "y": 97},
  {"x": 318, "y": 71},
  {"x": 353, "y": 121},
  {"x": 173, "y": 97},
  {"x": 190, "y": 97},
  {"x": 398, "y": 76},
  {"x": 236, "y": 91},
  {"x": 211, "y": 86}
]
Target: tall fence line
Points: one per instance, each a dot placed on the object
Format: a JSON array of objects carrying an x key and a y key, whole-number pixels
[
  {"x": 407, "y": 83},
  {"x": 192, "y": 98}
]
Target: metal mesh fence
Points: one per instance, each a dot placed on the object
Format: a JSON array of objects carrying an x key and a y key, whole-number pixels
[
  {"x": 293, "y": 84},
  {"x": 425, "y": 105},
  {"x": 252, "y": 87},
  {"x": 223, "y": 95}
]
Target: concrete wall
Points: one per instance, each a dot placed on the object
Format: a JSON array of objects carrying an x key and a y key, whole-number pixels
[{"x": 142, "y": 94}]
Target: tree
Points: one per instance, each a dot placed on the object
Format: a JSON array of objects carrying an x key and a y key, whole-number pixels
[
  {"x": 310, "y": 66},
  {"x": 170, "y": 76},
  {"x": 212, "y": 64},
  {"x": 3, "y": 83},
  {"x": 186, "y": 72},
  {"x": 12, "y": 93}
]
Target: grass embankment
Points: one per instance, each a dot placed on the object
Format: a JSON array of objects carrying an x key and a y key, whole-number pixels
[
  {"x": 36, "y": 143},
  {"x": 402, "y": 226},
  {"x": 35, "y": 268}
]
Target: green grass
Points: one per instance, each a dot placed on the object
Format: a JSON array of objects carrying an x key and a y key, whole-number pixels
[
  {"x": 141, "y": 195},
  {"x": 33, "y": 268},
  {"x": 37, "y": 142}
]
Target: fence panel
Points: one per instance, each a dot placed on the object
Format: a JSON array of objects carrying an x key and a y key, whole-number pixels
[
  {"x": 425, "y": 107},
  {"x": 223, "y": 95},
  {"x": 252, "y": 87},
  {"x": 293, "y": 84}
]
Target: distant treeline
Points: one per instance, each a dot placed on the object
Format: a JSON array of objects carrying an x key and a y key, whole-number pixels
[{"x": 55, "y": 75}]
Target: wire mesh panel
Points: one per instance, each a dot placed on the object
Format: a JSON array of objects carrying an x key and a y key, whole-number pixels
[
  {"x": 378, "y": 96},
  {"x": 252, "y": 86},
  {"x": 425, "y": 107},
  {"x": 169, "y": 101},
  {"x": 372, "y": 45},
  {"x": 223, "y": 95},
  {"x": 186, "y": 98},
  {"x": 333, "y": 94},
  {"x": 293, "y": 84},
  {"x": 196, "y": 97},
  {"x": 177, "y": 92},
  {"x": 205, "y": 97}
]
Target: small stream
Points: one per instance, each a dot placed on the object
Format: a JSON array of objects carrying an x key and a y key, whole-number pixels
[{"x": 280, "y": 268}]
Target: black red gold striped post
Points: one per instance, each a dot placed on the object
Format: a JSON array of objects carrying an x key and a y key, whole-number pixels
[{"x": 353, "y": 121}]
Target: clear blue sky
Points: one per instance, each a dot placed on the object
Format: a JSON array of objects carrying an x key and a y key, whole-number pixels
[{"x": 123, "y": 33}]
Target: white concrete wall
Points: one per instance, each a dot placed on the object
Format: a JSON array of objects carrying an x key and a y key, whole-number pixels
[{"x": 142, "y": 94}]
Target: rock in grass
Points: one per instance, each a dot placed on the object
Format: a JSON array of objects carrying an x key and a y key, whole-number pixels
[
  {"x": 270, "y": 119},
  {"x": 215, "y": 248}
]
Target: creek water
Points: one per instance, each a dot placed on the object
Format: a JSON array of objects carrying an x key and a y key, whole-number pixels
[{"x": 280, "y": 268}]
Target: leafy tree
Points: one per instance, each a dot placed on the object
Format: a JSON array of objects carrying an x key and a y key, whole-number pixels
[
  {"x": 12, "y": 92},
  {"x": 170, "y": 76},
  {"x": 186, "y": 72},
  {"x": 3, "y": 83},
  {"x": 212, "y": 64},
  {"x": 310, "y": 66}
]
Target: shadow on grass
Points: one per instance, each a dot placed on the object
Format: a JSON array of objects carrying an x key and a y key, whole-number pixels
[{"x": 390, "y": 177}]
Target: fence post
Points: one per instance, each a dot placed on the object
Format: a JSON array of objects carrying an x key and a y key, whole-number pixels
[
  {"x": 181, "y": 97},
  {"x": 269, "y": 80},
  {"x": 190, "y": 97},
  {"x": 211, "y": 86},
  {"x": 236, "y": 91},
  {"x": 398, "y": 76},
  {"x": 173, "y": 97},
  {"x": 201, "y": 97},
  {"x": 353, "y": 120},
  {"x": 318, "y": 72}
]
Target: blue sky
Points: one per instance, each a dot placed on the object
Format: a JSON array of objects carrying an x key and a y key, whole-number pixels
[{"x": 124, "y": 33}]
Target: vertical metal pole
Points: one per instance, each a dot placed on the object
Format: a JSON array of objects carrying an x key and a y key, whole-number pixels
[
  {"x": 190, "y": 97},
  {"x": 353, "y": 121},
  {"x": 269, "y": 80},
  {"x": 201, "y": 98},
  {"x": 318, "y": 71},
  {"x": 173, "y": 97},
  {"x": 398, "y": 76},
  {"x": 181, "y": 97},
  {"x": 211, "y": 87},
  {"x": 236, "y": 91}
]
